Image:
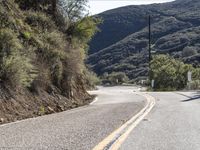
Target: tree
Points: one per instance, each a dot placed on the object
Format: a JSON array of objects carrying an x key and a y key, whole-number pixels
[
  {"x": 189, "y": 51},
  {"x": 73, "y": 10},
  {"x": 168, "y": 73}
]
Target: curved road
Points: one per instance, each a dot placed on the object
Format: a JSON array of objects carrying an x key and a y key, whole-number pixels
[
  {"x": 173, "y": 123},
  {"x": 79, "y": 129}
]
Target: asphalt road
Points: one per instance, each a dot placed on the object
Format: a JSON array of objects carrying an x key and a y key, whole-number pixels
[
  {"x": 78, "y": 129},
  {"x": 173, "y": 124}
]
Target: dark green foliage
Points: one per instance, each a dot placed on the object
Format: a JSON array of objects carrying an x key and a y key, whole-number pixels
[
  {"x": 44, "y": 5},
  {"x": 124, "y": 37},
  {"x": 169, "y": 73}
]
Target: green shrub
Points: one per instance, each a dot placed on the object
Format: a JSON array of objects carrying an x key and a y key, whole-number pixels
[
  {"x": 57, "y": 73},
  {"x": 6, "y": 20},
  {"x": 26, "y": 35},
  {"x": 52, "y": 52},
  {"x": 84, "y": 29},
  {"x": 41, "y": 110},
  {"x": 168, "y": 73},
  {"x": 196, "y": 74},
  {"x": 194, "y": 85},
  {"x": 116, "y": 78},
  {"x": 15, "y": 66},
  {"x": 40, "y": 21},
  {"x": 91, "y": 79}
]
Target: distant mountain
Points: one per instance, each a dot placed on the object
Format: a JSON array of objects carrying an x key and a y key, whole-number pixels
[{"x": 122, "y": 44}]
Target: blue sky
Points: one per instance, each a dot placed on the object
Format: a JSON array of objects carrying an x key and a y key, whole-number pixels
[{"x": 97, "y": 6}]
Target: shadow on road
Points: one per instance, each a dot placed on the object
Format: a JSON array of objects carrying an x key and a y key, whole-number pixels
[{"x": 191, "y": 98}]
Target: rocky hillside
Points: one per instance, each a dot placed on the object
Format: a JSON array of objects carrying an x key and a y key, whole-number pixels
[
  {"x": 41, "y": 59},
  {"x": 122, "y": 44}
]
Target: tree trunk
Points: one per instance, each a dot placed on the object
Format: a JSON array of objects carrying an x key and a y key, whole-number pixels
[{"x": 54, "y": 7}]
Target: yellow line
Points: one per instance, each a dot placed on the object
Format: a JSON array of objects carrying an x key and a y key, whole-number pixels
[{"x": 131, "y": 124}]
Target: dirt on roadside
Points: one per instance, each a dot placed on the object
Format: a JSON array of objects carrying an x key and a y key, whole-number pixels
[{"x": 22, "y": 104}]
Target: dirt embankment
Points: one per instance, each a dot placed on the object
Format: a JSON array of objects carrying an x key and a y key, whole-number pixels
[{"x": 22, "y": 104}]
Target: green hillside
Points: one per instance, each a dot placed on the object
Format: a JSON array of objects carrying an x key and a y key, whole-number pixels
[{"x": 124, "y": 46}]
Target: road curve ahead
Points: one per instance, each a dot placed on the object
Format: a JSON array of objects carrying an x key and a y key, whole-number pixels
[
  {"x": 79, "y": 129},
  {"x": 173, "y": 124}
]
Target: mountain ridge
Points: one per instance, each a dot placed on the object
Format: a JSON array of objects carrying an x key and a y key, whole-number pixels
[{"x": 174, "y": 20}]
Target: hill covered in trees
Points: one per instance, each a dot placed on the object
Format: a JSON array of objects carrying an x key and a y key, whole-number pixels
[
  {"x": 122, "y": 44},
  {"x": 42, "y": 50}
]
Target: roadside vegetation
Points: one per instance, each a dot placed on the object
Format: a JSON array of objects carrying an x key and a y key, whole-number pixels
[
  {"x": 43, "y": 46},
  {"x": 172, "y": 74},
  {"x": 114, "y": 78}
]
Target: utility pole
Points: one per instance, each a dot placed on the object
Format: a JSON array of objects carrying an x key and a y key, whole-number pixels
[
  {"x": 149, "y": 40},
  {"x": 151, "y": 81}
]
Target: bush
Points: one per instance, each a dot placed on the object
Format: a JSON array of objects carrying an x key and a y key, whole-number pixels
[
  {"x": 196, "y": 74},
  {"x": 168, "y": 73},
  {"x": 84, "y": 29},
  {"x": 115, "y": 78},
  {"x": 15, "y": 67},
  {"x": 40, "y": 20},
  {"x": 52, "y": 52},
  {"x": 189, "y": 51},
  {"x": 91, "y": 79},
  {"x": 26, "y": 35},
  {"x": 194, "y": 85}
]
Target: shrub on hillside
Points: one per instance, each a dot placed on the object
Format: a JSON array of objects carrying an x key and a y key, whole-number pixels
[
  {"x": 52, "y": 52},
  {"x": 15, "y": 67},
  {"x": 91, "y": 79},
  {"x": 39, "y": 20}
]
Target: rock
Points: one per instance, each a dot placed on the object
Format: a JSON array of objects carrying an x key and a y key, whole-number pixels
[
  {"x": 50, "y": 109},
  {"x": 61, "y": 107},
  {"x": 1, "y": 120}
]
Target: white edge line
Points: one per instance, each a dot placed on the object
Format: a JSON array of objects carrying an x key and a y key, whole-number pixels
[
  {"x": 38, "y": 117},
  {"x": 94, "y": 101}
]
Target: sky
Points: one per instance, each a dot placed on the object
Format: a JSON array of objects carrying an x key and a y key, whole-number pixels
[{"x": 98, "y": 6}]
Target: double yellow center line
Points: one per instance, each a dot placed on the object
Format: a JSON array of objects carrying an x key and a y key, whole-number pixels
[{"x": 116, "y": 138}]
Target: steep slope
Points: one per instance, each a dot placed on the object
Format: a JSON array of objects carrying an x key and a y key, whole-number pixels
[
  {"x": 175, "y": 30},
  {"x": 42, "y": 71}
]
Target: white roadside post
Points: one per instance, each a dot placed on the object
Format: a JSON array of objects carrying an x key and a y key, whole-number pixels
[
  {"x": 189, "y": 75},
  {"x": 152, "y": 83}
]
